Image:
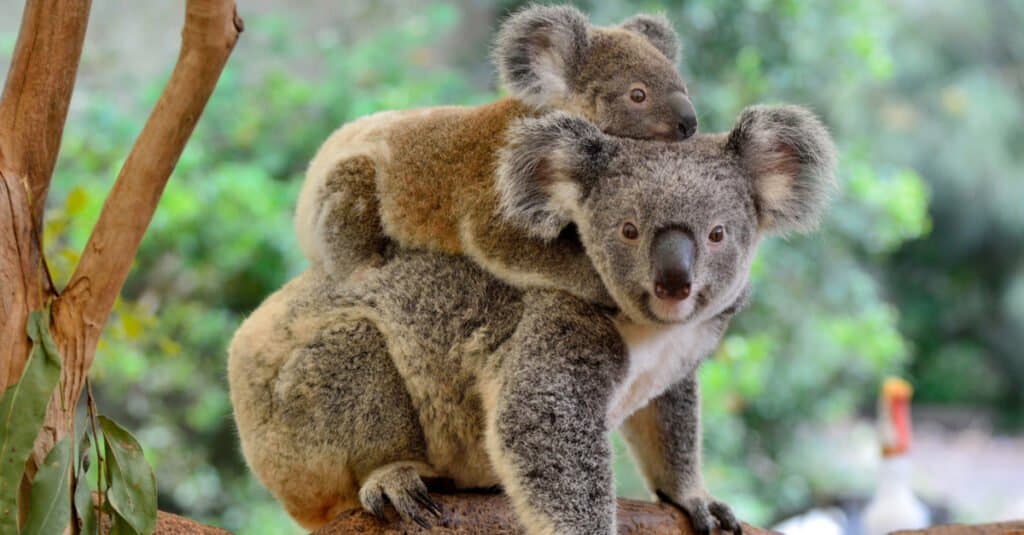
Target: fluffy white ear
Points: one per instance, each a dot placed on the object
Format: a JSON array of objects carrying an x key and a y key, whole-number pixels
[
  {"x": 537, "y": 51},
  {"x": 658, "y": 30},
  {"x": 792, "y": 162},
  {"x": 545, "y": 171}
]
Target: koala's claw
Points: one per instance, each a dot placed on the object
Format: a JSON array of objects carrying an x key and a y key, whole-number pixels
[
  {"x": 423, "y": 498},
  {"x": 401, "y": 485},
  {"x": 726, "y": 519},
  {"x": 705, "y": 513}
]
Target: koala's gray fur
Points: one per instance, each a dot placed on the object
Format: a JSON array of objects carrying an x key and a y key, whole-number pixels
[
  {"x": 772, "y": 172},
  {"x": 425, "y": 178},
  {"x": 428, "y": 366}
]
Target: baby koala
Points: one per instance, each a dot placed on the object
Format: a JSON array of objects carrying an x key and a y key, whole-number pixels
[
  {"x": 428, "y": 366},
  {"x": 425, "y": 178}
]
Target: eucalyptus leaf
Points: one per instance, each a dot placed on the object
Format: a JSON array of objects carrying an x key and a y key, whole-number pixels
[
  {"x": 22, "y": 410},
  {"x": 50, "y": 503},
  {"x": 120, "y": 526},
  {"x": 85, "y": 511},
  {"x": 132, "y": 492}
]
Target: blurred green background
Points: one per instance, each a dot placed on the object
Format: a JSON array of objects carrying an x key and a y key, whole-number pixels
[{"x": 919, "y": 270}]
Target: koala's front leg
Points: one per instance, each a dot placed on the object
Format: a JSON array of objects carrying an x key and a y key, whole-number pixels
[
  {"x": 527, "y": 262},
  {"x": 546, "y": 421},
  {"x": 665, "y": 438}
]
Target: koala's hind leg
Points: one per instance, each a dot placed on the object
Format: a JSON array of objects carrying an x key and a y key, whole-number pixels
[
  {"x": 400, "y": 484},
  {"x": 546, "y": 412},
  {"x": 342, "y": 413},
  {"x": 348, "y": 229}
]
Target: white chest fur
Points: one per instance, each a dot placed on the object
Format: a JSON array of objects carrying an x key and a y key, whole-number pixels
[{"x": 659, "y": 356}]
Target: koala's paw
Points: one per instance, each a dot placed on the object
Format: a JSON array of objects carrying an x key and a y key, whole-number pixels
[
  {"x": 400, "y": 484},
  {"x": 704, "y": 512}
]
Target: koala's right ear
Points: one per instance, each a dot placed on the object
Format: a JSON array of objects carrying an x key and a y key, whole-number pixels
[
  {"x": 546, "y": 169},
  {"x": 537, "y": 49}
]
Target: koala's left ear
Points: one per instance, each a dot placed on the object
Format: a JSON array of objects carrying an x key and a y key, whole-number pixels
[
  {"x": 547, "y": 168},
  {"x": 658, "y": 30},
  {"x": 792, "y": 161},
  {"x": 537, "y": 51}
]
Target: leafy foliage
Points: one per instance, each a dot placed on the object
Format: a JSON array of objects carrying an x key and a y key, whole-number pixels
[
  {"x": 129, "y": 496},
  {"x": 50, "y": 505},
  {"x": 130, "y": 482},
  {"x": 22, "y": 409}
]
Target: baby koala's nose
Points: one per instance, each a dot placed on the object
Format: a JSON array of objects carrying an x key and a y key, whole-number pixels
[
  {"x": 688, "y": 126},
  {"x": 686, "y": 115},
  {"x": 673, "y": 253}
]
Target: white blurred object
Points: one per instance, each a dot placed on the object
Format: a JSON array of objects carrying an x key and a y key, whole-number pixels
[
  {"x": 894, "y": 506},
  {"x": 828, "y": 521}
]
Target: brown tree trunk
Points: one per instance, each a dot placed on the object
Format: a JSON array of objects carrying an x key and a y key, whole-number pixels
[{"x": 33, "y": 109}]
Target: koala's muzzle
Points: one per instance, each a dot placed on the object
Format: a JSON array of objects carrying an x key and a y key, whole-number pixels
[
  {"x": 686, "y": 115},
  {"x": 672, "y": 254}
]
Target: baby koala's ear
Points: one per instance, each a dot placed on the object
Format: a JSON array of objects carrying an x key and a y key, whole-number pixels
[
  {"x": 792, "y": 162},
  {"x": 547, "y": 168},
  {"x": 658, "y": 30},
  {"x": 537, "y": 50}
]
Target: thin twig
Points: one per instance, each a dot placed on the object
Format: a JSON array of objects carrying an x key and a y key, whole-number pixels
[{"x": 100, "y": 461}]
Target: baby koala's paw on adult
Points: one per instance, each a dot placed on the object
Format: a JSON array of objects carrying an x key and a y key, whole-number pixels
[
  {"x": 401, "y": 485},
  {"x": 705, "y": 513}
]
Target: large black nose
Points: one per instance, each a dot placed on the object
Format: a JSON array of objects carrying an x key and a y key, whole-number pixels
[
  {"x": 673, "y": 253},
  {"x": 686, "y": 115}
]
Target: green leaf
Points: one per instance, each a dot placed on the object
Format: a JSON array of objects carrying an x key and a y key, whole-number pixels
[
  {"x": 22, "y": 409},
  {"x": 85, "y": 511},
  {"x": 49, "y": 509},
  {"x": 132, "y": 492}
]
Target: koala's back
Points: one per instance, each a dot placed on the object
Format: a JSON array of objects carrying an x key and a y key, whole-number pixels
[
  {"x": 431, "y": 166},
  {"x": 332, "y": 381},
  {"x": 442, "y": 166}
]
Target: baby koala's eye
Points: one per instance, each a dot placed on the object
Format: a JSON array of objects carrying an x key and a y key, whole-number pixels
[
  {"x": 629, "y": 231},
  {"x": 717, "y": 234},
  {"x": 637, "y": 95}
]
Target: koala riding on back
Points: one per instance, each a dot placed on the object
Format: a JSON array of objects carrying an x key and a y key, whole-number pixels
[{"x": 424, "y": 178}]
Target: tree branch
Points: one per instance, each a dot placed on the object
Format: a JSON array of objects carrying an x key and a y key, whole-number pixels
[
  {"x": 468, "y": 513},
  {"x": 33, "y": 108},
  {"x": 35, "y": 100},
  {"x": 79, "y": 313},
  {"x": 210, "y": 32}
]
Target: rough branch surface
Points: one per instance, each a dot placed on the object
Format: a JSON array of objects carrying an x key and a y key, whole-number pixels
[{"x": 466, "y": 514}]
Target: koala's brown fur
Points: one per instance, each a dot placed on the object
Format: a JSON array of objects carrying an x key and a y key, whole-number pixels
[{"x": 425, "y": 178}]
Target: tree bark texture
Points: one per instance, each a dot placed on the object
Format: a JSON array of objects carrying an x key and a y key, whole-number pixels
[
  {"x": 471, "y": 514},
  {"x": 33, "y": 109}
]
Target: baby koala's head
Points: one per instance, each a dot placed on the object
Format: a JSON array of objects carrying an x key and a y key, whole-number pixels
[
  {"x": 670, "y": 227},
  {"x": 621, "y": 78}
]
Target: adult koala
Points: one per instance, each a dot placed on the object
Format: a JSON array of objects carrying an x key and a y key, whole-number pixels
[{"x": 430, "y": 367}]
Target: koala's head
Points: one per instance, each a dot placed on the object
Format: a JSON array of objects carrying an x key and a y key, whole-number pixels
[
  {"x": 670, "y": 227},
  {"x": 622, "y": 78}
]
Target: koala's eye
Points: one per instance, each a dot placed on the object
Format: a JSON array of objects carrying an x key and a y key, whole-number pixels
[
  {"x": 717, "y": 234},
  {"x": 629, "y": 231},
  {"x": 637, "y": 95}
]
